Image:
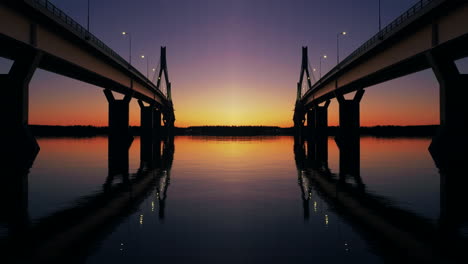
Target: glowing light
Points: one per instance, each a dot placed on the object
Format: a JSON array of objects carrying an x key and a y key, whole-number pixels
[
  {"x": 315, "y": 206},
  {"x": 326, "y": 219},
  {"x": 152, "y": 206},
  {"x": 124, "y": 33},
  {"x": 324, "y": 56},
  {"x": 154, "y": 69},
  {"x": 314, "y": 69},
  {"x": 141, "y": 219},
  {"x": 343, "y": 33},
  {"x": 142, "y": 56}
]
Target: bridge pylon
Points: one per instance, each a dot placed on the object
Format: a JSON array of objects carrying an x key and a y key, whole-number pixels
[
  {"x": 168, "y": 114},
  {"x": 300, "y": 109}
]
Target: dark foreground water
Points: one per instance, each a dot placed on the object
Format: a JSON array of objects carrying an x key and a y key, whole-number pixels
[{"x": 232, "y": 200}]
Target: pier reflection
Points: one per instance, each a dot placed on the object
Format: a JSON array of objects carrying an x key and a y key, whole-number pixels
[
  {"x": 394, "y": 233},
  {"x": 71, "y": 234}
]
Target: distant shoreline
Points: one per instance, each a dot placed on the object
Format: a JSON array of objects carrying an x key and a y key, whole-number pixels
[{"x": 91, "y": 131}]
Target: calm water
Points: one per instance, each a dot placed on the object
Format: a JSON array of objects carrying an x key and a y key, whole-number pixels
[{"x": 233, "y": 200}]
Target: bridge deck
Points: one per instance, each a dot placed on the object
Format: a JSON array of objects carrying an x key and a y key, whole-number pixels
[
  {"x": 69, "y": 49},
  {"x": 399, "y": 49}
]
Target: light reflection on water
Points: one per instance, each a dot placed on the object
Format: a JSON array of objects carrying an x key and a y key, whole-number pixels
[{"x": 234, "y": 199}]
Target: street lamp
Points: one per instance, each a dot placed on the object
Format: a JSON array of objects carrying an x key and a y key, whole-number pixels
[
  {"x": 147, "y": 66},
  {"x": 130, "y": 46},
  {"x": 320, "y": 65},
  {"x": 313, "y": 72},
  {"x": 338, "y": 46}
]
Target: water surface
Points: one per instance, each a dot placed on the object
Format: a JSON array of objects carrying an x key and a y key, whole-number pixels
[{"x": 235, "y": 200}]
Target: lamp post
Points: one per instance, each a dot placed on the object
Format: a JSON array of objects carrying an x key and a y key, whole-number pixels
[
  {"x": 313, "y": 73},
  {"x": 130, "y": 46},
  {"x": 147, "y": 66},
  {"x": 320, "y": 65},
  {"x": 338, "y": 46}
]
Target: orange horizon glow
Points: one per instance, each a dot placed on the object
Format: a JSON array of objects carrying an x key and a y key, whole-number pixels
[{"x": 246, "y": 102}]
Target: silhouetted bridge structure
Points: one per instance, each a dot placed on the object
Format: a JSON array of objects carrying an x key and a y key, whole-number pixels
[
  {"x": 430, "y": 35},
  {"x": 36, "y": 34}
]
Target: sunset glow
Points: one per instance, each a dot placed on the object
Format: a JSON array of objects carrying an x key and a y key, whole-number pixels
[{"x": 234, "y": 64}]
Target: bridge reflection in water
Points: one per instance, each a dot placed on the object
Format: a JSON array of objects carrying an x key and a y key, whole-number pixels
[
  {"x": 71, "y": 234},
  {"x": 395, "y": 233}
]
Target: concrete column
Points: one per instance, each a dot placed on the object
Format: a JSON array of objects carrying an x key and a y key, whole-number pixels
[
  {"x": 146, "y": 118},
  {"x": 157, "y": 124},
  {"x": 450, "y": 144},
  {"x": 119, "y": 117},
  {"x": 120, "y": 139},
  {"x": 146, "y": 136},
  {"x": 310, "y": 122},
  {"x": 318, "y": 138},
  {"x": 168, "y": 120},
  {"x": 348, "y": 138},
  {"x": 321, "y": 119},
  {"x": 299, "y": 119},
  {"x": 20, "y": 147},
  {"x": 349, "y": 114}
]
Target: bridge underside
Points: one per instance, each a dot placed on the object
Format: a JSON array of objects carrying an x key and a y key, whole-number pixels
[
  {"x": 37, "y": 35},
  {"x": 452, "y": 50},
  {"x": 432, "y": 39},
  {"x": 14, "y": 50},
  {"x": 399, "y": 51}
]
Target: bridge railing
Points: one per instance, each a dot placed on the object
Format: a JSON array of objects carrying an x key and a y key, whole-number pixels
[
  {"x": 86, "y": 35},
  {"x": 390, "y": 28}
]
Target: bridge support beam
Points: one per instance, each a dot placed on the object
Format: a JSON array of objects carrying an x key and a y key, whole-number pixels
[
  {"x": 450, "y": 144},
  {"x": 299, "y": 118},
  {"x": 119, "y": 117},
  {"x": 317, "y": 122},
  {"x": 120, "y": 139},
  {"x": 146, "y": 119},
  {"x": 348, "y": 138},
  {"x": 157, "y": 124},
  {"x": 20, "y": 147},
  {"x": 168, "y": 120},
  {"x": 146, "y": 136},
  {"x": 448, "y": 148}
]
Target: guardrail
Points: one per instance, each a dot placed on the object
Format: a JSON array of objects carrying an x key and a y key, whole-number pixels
[
  {"x": 76, "y": 28},
  {"x": 411, "y": 12}
]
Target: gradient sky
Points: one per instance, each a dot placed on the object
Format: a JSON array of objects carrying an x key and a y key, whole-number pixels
[{"x": 233, "y": 62}]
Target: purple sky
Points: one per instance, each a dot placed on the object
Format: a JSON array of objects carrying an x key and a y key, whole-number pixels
[{"x": 234, "y": 62}]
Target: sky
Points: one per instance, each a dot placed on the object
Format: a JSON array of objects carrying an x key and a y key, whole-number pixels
[{"x": 233, "y": 62}]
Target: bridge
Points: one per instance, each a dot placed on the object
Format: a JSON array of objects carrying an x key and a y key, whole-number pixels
[
  {"x": 35, "y": 34},
  {"x": 432, "y": 34}
]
